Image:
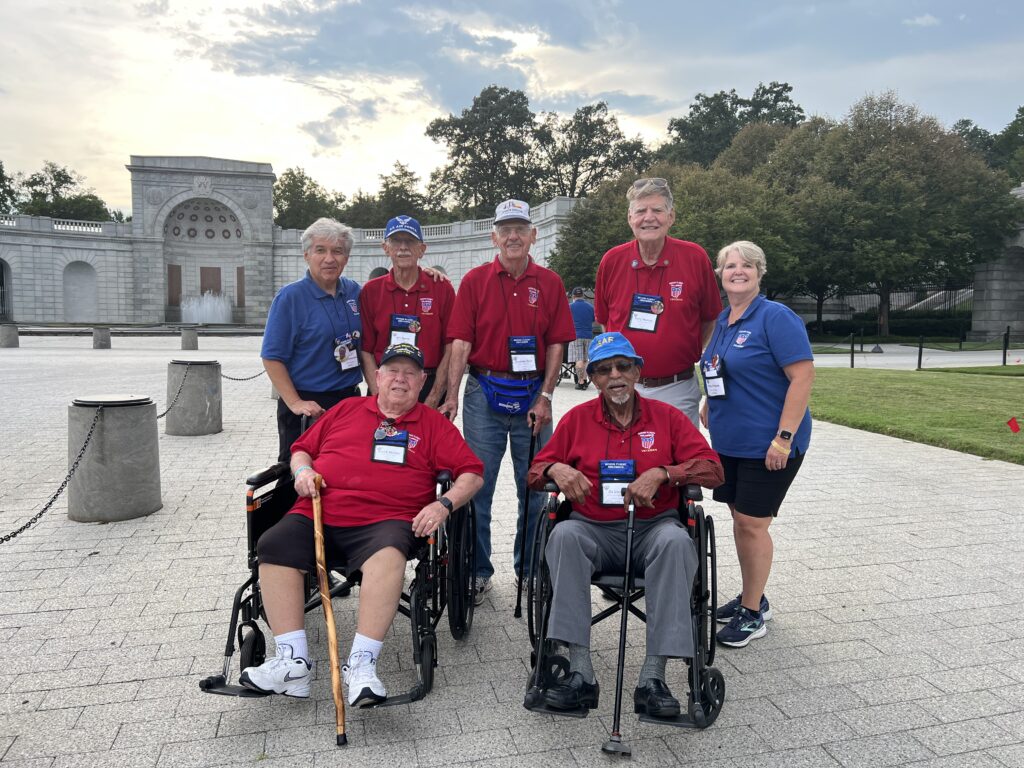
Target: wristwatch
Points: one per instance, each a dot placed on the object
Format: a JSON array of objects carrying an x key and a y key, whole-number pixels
[
  {"x": 447, "y": 504},
  {"x": 785, "y": 434},
  {"x": 546, "y": 394}
]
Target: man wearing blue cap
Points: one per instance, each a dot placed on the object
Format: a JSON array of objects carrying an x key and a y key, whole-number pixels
[
  {"x": 406, "y": 306},
  {"x": 620, "y": 448}
]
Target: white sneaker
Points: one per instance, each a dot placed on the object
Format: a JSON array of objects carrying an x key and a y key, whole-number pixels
[
  {"x": 481, "y": 585},
  {"x": 364, "y": 687},
  {"x": 281, "y": 674}
]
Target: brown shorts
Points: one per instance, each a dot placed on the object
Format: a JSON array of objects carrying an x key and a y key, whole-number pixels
[{"x": 290, "y": 543}]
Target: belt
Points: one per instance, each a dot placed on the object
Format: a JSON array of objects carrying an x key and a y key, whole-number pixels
[
  {"x": 474, "y": 371},
  {"x": 663, "y": 380}
]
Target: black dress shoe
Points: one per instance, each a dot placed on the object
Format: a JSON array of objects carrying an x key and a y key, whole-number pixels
[
  {"x": 573, "y": 694},
  {"x": 655, "y": 699}
]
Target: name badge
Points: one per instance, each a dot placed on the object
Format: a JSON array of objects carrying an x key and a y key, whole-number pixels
[
  {"x": 615, "y": 475},
  {"x": 645, "y": 312},
  {"x": 522, "y": 352},
  {"x": 713, "y": 373},
  {"x": 404, "y": 329},
  {"x": 345, "y": 353},
  {"x": 391, "y": 448}
]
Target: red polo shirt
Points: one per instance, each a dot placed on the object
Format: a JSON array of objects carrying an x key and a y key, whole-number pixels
[
  {"x": 659, "y": 436},
  {"x": 430, "y": 300},
  {"x": 492, "y": 305},
  {"x": 359, "y": 490},
  {"x": 683, "y": 278}
]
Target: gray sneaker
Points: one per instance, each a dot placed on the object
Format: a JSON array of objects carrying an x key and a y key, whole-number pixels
[
  {"x": 726, "y": 612},
  {"x": 481, "y": 585}
]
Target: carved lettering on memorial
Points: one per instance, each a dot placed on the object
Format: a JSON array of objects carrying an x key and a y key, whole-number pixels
[{"x": 202, "y": 185}]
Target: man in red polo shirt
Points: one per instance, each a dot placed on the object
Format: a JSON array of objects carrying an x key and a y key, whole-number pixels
[
  {"x": 511, "y": 323},
  {"x": 617, "y": 448},
  {"x": 661, "y": 294},
  {"x": 379, "y": 458},
  {"x": 405, "y": 305}
]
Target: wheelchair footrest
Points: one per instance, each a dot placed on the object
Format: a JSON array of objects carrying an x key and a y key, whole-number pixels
[
  {"x": 217, "y": 685},
  {"x": 545, "y": 709},
  {"x": 679, "y": 721},
  {"x": 415, "y": 694}
]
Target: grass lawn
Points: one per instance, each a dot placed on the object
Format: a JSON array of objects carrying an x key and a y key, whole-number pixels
[
  {"x": 963, "y": 412},
  {"x": 968, "y": 346},
  {"x": 984, "y": 370}
]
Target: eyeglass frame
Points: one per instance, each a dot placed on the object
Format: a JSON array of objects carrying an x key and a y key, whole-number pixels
[{"x": 605, "y": 369}]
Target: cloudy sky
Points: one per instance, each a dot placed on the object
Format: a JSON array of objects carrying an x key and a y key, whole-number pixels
[{"x": 345, "y": 88}]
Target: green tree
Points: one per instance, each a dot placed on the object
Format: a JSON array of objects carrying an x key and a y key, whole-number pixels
[
  {"x": 299, "y": 200},
  {"x": 364, "y": 210},
  {"x": 1008, "y": 147},
  {"x": 61, "y": 193},
  {"x": 8, "y": 191},
  {"x": 751, "y": 148},
  {"x": 975, "y": 137},
  {"x": 400, "y": 194},
  {"x": 578, "y": 153},
  {"x": 491, "y": 153}
]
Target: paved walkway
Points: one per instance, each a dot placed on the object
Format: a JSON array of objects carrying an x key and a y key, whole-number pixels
[{"x": 897, "y": 637}]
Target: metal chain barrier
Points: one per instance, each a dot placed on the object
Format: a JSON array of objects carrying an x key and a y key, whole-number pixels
[
  {"x": 243, "y": 378},
  {"x": 63, "y": 485},
  {"x": 174, "y": 400}
]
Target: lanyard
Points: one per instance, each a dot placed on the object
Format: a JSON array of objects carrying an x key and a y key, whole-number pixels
[
  {"x": 647, "y": 280},
  {"x": 627, "y": 430},
  {"x": 394, "y": 304},
  {"x": 334, "y": 303},
  {"x": 713, "y": 346},
  {"x": 508, "y": 313}
]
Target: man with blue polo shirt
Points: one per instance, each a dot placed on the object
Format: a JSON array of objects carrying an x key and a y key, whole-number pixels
[
  {"x": 312, "y": 339},
  {"x": 583, "y": 318}
]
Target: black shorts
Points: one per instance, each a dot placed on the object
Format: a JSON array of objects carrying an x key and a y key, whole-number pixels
[
  {"x": 751, "y": 488},
  {"x": 290, "y": 543}
]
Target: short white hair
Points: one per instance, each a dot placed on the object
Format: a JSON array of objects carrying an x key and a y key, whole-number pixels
[{"x": 749, "y": 252}]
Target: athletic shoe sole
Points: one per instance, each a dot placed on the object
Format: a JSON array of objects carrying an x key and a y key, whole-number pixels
[
  {"x": 759, "y": 632},
  {"x": 244, "y": 680},
  {"x": 367, "y": 698}
]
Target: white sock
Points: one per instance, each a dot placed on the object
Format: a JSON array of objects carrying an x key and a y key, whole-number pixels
[
  {"x": 295, "y": 642},
  {"x": 364, "y": 644}
]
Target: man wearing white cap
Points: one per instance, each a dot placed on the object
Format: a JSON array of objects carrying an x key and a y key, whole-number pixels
[{"x": 510, "y": 324}]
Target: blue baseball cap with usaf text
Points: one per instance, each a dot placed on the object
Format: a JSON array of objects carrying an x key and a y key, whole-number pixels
[
  {"x": 608, "y": 345},
  {"x": 406, "y": 224}
]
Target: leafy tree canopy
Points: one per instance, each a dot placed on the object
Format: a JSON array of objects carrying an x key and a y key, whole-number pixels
[
  {"x": 60, "y": 193},
  {"x": 299, "y": 200}
]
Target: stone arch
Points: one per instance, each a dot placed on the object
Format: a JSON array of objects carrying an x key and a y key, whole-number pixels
[
  {"x": 440, "y": 268},
  {"x": 80, "y": 304},
  {"x": 6, "y": 291},
  {"x": 175, "y": 200},
  {"x": 377, "y": 272}
]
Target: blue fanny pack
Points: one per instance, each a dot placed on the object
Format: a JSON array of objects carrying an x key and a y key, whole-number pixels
[{"x": 510, "y": 397}]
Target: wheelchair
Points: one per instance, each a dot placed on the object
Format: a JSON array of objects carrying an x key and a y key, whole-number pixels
[
  {"x": 706, "y": 684},
  {"x": 442, "y": 582}
]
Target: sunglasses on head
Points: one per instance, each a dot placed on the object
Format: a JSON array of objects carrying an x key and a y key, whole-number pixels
[
  {"x": 656, "y": 181},
  {"x": 622, "y": 366}
]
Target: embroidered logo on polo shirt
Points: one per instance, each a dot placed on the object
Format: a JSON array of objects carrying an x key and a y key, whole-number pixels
[
  {"x": 741, "y": 338},
  {"x": 533, "y": 295},
  {"x": 647, "y": 441},
  {"x": 425, "y": 305},
  {"x": 414, "y": 440},
  {"x": 675, "y": 289},
  {"x": 353, "y": 306}
]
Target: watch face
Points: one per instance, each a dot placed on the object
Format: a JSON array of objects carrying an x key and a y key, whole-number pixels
[{"x": 786, "y": 435}]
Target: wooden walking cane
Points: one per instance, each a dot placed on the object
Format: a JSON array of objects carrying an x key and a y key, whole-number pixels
[{"x": 325, "y": 600}]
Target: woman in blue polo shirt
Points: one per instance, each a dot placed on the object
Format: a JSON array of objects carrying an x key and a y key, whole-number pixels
[{"x": 758, "y": 371}]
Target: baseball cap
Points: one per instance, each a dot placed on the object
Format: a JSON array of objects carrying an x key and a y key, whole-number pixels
[
  {"x": 402, "y": 350},
  {"x": 608, "y": 345},
  {"x": 577, "y": 291},
  {"x": 405, "y": 224},
  {"x": 512, "y": 210}
]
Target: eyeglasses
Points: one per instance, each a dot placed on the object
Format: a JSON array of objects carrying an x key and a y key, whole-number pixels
[
  {"x": 504, "y": 230},
  {"x": 386, "y": 429},
  {"x": 622, "y": 366},
  {"x": 656, "y": 181}
]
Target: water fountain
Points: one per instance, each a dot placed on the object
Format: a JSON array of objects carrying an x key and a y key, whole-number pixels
[{"x": 208, "y": 308}]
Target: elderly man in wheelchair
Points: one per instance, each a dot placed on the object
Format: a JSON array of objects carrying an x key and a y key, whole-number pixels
[
  {"x": 379, "y": 459},
  {"x": 616, "y": 450}
]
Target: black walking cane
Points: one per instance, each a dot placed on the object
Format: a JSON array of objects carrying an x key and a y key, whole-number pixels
[
  {"x": 614, "y": 745},
  {"x": 532, "y": 419}
]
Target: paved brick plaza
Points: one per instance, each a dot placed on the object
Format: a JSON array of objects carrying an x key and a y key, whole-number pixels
[{"x": 897, "y": 637}]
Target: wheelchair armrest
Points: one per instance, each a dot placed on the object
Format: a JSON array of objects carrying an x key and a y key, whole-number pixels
[
  {"x": 551, "y": 487},
  {"x": 444, "y": 476},
  {"x": 693, "y": 492},
  {"x": 269, "y": 475}
]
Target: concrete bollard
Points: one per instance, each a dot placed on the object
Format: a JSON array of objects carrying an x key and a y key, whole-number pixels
[
  {"x": 119, "y": 475},
  {"x": 189, "y": 338},
  {"x": 199, "y": 406},
  {"x": 9, "y": 336},
  {"x": 101, "y": 338}
]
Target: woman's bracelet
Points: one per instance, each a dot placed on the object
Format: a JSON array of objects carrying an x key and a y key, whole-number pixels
[
  {"x": 780, "y": 448},
  {"x": 299, "y": 470}
]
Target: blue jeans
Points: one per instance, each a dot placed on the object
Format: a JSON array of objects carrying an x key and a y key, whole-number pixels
[{"x": 488, "y": 433}]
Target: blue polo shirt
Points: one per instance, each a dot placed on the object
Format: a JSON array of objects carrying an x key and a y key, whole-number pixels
[
  {"x": 303, "y": 323},
  {"x": 582, "y": 318},
  {"x": 768, "y": 337}
]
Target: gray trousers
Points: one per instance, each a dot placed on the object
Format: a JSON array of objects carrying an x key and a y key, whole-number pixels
[{"x": 662, "y": 552}]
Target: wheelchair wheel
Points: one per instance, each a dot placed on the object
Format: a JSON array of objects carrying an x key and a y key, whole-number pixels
[
  {"x": 252, "y": 646},
  {"x": 428, "y": 660},
  {"x": 711, "y": 697},
  {"x": 461, "y": 571},
  {"x": 711, "y": 560},
  {"x": 538, "y": 585}
]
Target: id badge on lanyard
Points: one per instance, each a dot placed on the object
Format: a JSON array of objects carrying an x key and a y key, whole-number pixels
[
  {"x": 391, "y": 448},
  {"x": 644, "y": 312},
  {"x": 404, "y": 329},
  {"x": 614, "y": 476},
  {"x": 713, "y": 372},
  {"x": 522, "y": 354},
  {"x": 345, "y": 352}
]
